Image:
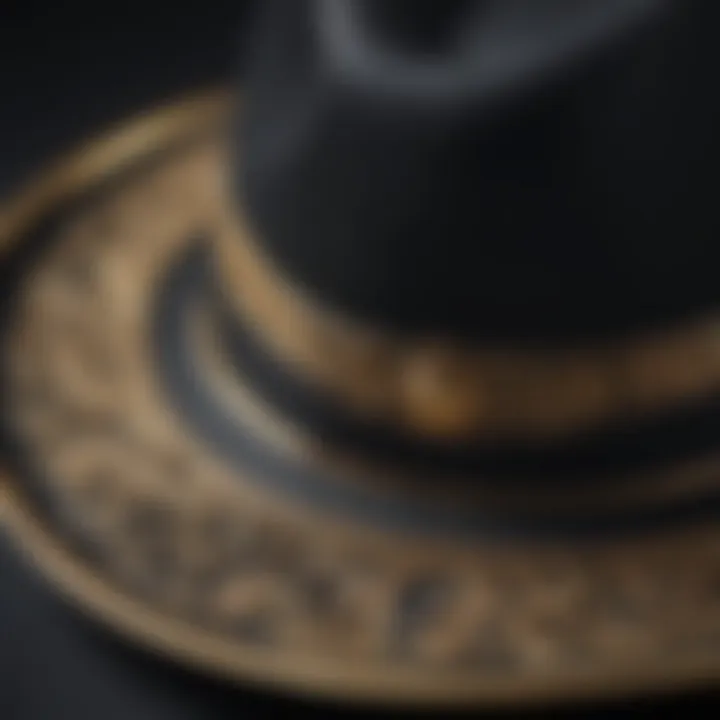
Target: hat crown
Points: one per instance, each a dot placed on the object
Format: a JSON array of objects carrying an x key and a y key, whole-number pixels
[{"x": 467, "y": 168}]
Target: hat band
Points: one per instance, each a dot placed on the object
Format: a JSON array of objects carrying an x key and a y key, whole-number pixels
[{"x": 435, "y": 389}]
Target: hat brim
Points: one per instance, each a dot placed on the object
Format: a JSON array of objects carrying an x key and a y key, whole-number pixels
[{"x": 133, "y": 513}]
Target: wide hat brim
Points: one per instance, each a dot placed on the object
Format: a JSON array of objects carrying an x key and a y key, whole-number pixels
[{"x": 169, "y": 502}]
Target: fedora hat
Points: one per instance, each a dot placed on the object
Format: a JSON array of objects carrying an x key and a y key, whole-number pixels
[{"x": 393, "y": 376}]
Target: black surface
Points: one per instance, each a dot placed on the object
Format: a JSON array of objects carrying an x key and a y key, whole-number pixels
[{"x": 65, "y": 72}]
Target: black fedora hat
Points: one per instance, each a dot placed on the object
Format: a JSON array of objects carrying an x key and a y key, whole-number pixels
[{"x": 395, "y": 383}]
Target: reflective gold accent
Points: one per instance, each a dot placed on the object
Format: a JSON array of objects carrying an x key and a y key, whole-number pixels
[{"x": 437, "y": 389}]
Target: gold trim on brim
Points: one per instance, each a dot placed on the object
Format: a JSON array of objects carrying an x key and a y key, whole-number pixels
[
  {"x": 105, "y": 156},
  {"x": 438, "y": 390},
  {"x": 198, "y": 560},
  {"x": 177, "y": 640}
]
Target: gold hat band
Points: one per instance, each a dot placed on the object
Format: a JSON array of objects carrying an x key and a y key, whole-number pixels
[{"x": 438, "y": 390}]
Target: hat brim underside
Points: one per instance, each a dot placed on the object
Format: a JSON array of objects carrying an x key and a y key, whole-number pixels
[{"x": 134, "y": 514}]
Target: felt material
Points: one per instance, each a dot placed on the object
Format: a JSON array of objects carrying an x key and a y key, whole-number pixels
[{"x": 495, "y": 170}]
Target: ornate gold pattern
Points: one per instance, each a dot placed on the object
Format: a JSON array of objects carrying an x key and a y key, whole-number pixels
[
  {"x": 436, "y": 390},
  {"x": 153, "y": 532}
]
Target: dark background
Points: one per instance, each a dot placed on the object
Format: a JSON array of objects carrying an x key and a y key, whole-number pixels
[
  {"x": 64, "y": 73},
  {"x": 66, "y": 70}
]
